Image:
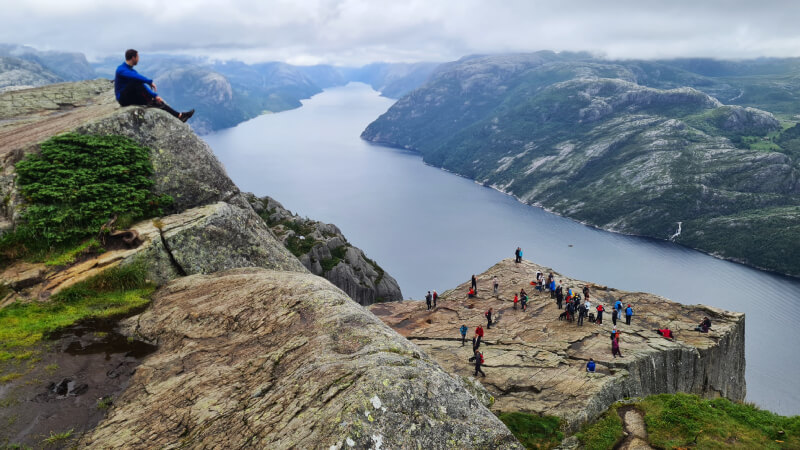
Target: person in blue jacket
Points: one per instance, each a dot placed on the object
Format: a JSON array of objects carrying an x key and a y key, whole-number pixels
[
  {"x": 590, "y": 366},
  {"x": 628, "y": 314},
  {"x": 463, "y": 331},
  {"x": 132, "y": 88}
]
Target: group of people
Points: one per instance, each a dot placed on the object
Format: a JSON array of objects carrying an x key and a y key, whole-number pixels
[
  {"x": 576, "y": 306},
  {"x": 430, "y": 299}
]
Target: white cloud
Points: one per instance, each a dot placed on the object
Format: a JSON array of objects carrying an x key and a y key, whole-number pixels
[{"x": 361, "y": 31}]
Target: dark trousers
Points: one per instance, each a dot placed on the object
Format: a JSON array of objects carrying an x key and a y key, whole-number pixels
[
  {"x": 615, "y": 351},
  {"x": 429, "y": 304},
  {"x": 476, "y": 342},
  {"x": 488, "y": 322},
  {"x": 463, "y": 339},
  {"x": 135, "y": 94},
  {"x": 628, "y": 320},
  {"x": 559, "y": 304},
  {"x": 599, "y": 317},
  {"x": 614, "y": 317},
  {"x": 580, "y": 319},
  {"x": 478, "y": 369}
]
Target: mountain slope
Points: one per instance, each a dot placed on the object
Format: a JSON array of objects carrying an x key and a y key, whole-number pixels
[{"x": 582, "y": 138}]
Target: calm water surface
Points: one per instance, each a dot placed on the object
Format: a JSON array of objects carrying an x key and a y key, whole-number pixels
[{"x": 432, "y": 230}]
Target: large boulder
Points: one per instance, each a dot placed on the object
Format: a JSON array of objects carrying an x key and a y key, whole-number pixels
[{"x": 265, "y": 359}]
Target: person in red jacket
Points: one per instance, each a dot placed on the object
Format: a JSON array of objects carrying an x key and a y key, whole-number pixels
[
  {"x": 666, "y": 332},
  {"x": 476, "y": 341},
  {"x": 516, "y": 299},
  {"x": 600, "y": 310}
]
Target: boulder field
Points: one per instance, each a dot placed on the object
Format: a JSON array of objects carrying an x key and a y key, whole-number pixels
[{"x": 536, "y": 363}]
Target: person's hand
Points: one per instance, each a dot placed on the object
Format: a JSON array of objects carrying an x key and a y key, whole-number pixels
[
  {"x": 153, "y": 85},
  {"x": 158, "y": 99}
]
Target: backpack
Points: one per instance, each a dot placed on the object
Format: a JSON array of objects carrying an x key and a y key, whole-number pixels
[{"x": 480, "y": 355}]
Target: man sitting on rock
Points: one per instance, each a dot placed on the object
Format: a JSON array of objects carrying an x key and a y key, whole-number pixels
[
  {"x": 590, "y": 366},
  {"x": 131, "y": 88}
]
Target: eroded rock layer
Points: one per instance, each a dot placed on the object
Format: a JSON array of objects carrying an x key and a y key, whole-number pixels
[
  {"x": 267, "y": 359},
  {"x": 536, "y": 362}
]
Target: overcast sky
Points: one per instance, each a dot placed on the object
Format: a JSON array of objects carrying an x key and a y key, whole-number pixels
[{"x": 355, "y": 32}]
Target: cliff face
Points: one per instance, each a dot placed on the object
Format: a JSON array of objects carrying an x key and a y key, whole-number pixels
[
  {"x": 323, "y": 249},
  {"x": 536, "y": 362}
]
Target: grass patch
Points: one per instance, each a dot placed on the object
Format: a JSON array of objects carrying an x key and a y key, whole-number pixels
[
  {"x": 68, "y": 255},
  {"x": 337, "y": 255},
  {"x": 681, "y": 420},
  {"x": 58, "y": 438},
  {"x": 9, "y": 377},
  {"x": 532, "y": 430},
  {"x": 603, "y": 433},
  {"x": 113, "y": 293},
  {"x": 105, "y": 402}
]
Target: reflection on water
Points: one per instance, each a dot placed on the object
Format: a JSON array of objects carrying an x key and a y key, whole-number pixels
[{"x": 432, "y": 230}]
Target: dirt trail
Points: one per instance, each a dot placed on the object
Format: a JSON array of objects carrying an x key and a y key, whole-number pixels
[{"x": 633, "y": 422}]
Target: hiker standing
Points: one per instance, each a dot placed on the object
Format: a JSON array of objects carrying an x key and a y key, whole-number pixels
[
  {"x": 478, "y": 358},
  {"x": 615, "y": 347},
  {"x": 488, "y": 315},
  {"x": 552, "y": 286},
  {"x": 516, "y": 299},
  {"x": 428, "y": 300},
  {"x": 559, "y": 295},
  {"x": 581, "y": 314},
  {"x": 435, "y": 296},
  {"x": 600, "y": 310},
  {"x": 524, "y": 301},
  {"x": 476, "y": 341},
  {"x": 495, "y": 285},
  {"x": 474, "y": 283},
  {"x": 518, "y": 255},
  {"x": 628, "y": 314},
  {"x": 463, "y": 331},
  {"x": 617, "y": 311}
]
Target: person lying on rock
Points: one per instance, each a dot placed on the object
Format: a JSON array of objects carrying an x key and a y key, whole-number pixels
[
  {"x": 590, "y": 366},
  {"x": 666, "y": 332},
  {"x": 132, "y": 88}
]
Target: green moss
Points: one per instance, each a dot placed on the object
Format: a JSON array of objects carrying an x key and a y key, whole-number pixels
[
  {"x": 603, "y": 433},
  {"x": 105, "y": 402},
  {"x": 114, "y": 293},
  {"x": 68, "y": 255},
  {"x": 534, "y": 431},
  {"x": 9, "y": 377},
  {"x": 58, "y": 438}
]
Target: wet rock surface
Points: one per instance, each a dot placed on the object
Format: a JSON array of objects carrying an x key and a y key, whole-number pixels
[
  {"x": 251, "y": 357},
  {"x": 536, "y": 362},
  {"x": 81, "y": 371}
]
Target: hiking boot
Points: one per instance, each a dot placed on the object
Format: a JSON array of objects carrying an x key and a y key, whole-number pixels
[{"x": 186, "y": 115}]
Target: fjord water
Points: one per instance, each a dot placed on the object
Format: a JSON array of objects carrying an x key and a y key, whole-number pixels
[{"x": 433, "y": 230}]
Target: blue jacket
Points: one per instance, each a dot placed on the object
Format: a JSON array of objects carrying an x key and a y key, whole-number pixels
[
  {"x": 463, "y": 330},
  {"x": 618, "y": 305},
  {"x": 590, "y": 366},
  {"x": 127, "y": 74},
  {"x": 628, "y": 311}
]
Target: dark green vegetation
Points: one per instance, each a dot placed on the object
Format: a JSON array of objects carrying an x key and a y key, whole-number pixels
[
  {"x": 683, "y": 420},
  {"x": 117, "y": 292},
  {"x": 337, "y": 256},
  {"x": 73, "y": 187},
  {"x": 630, "y": 146},
  {"x": 533, "y": 431}
]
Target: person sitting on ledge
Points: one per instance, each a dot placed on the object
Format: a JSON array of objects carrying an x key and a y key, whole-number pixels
[
  {"x": 590, "y": 366},
  {"x": 471, "y": 293},
  {"x": 132, "y": 88},
  {"x": 704, "y": 326}
]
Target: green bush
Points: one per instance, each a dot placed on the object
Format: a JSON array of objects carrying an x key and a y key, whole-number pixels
[
  {"x": 76, "y": 184},
  {"x": 603, "y": 433}
]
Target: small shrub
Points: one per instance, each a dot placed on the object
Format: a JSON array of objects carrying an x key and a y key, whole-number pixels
[{"x": 105, "y": 402}]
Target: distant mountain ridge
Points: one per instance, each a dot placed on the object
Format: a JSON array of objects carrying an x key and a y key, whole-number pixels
[
  {"x": 224, "y": 93},
  {"x": 639, "y": 147}
]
